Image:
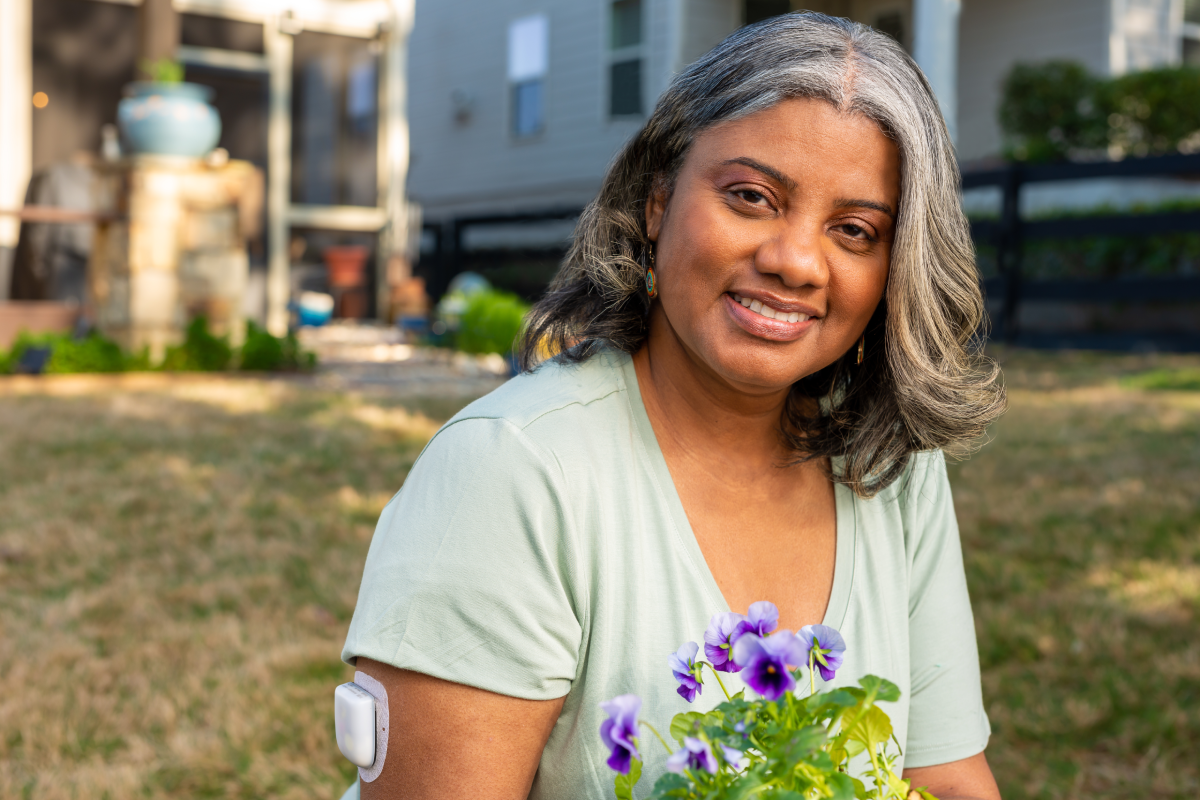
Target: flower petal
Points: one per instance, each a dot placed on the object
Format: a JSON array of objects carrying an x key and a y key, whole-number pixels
[{"x": 764, "y": 616}]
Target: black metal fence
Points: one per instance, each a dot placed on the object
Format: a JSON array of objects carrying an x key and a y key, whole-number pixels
[{"x": 1010, "y": 233}]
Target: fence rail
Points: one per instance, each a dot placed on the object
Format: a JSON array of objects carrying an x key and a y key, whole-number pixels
[{"x": 1009, "y": 233}]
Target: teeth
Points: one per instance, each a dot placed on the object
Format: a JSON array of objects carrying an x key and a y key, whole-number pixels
[{"x": 770, "y": 313}]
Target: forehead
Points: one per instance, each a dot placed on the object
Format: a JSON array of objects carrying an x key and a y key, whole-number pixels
[{"x": 803, "y": 137}]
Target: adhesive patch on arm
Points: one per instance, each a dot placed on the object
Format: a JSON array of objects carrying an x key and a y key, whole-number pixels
[{"x": 368, "y": 774}]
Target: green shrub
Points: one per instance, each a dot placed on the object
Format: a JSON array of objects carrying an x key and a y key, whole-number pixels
[
  {"x": 1057, "y": 110},
  {"x": 491, "y": 322},
  {"x": 263, "y": 352},
  {"x": 92, "y": 353},
  {"x": 1046, "y": 110},
  {"x": 200, "y": 351},
  {"x": 1152, "y": 112}
]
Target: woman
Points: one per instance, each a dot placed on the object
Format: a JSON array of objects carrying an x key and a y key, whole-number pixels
[{"x": 765, "y": 316}]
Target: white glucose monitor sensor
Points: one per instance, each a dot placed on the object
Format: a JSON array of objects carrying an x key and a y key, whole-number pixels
[
  {"x": 360, "y": 718},
  {"x": 354, "y": 719}
]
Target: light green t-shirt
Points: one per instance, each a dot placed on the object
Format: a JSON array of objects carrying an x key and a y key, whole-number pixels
[{"x": 538, "y": 549}]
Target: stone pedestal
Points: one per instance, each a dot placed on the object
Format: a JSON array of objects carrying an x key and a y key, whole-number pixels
[{"x": 177, "y": 251}]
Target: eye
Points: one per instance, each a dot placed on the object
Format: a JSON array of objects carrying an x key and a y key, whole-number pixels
[
  {"x": 752, "y": 197},
  {"x": 856, "y": 232}
]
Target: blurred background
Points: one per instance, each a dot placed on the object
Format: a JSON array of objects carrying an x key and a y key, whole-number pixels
[{"x": 254, "y": 252}]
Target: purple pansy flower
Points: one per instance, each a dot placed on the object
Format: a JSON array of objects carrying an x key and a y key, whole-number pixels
[
  {"x": 732, "y": 756},
  {"x": 766, "y": 662},
  {"x": 718, "y": 640},
  {"x": 762, "y": 618},
  {"x": 695, "y": 754},
  {"x": 683, "y": 666},
  {"x": 619, "y": 731},
  {"x": 827, "y": 647}
]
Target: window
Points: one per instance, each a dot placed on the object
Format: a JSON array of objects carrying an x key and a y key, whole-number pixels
[
  {"x": 528, "y": 58},
  {"x": 1191, "y": 32},
  {"x": 625, "y": 59}
]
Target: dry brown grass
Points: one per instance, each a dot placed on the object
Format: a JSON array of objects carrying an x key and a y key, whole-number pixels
[
  {"x": 179, "y": 560},
  {"x": 1081, "y": 523}
]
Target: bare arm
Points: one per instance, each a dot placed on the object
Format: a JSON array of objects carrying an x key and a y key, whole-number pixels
[
  {"x": 968, "y": 779},
  {"x": 446, "y": 740}
]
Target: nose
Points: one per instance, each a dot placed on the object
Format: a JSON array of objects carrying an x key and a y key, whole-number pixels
[{"x": 794, "y": 253}]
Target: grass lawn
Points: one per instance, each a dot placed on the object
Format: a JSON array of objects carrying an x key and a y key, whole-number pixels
[{"x": 179, "y": 560}]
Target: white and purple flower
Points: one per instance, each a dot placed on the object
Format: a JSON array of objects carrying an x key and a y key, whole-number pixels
[
  {"x": 695, "y": 754},
  {"x": 685, "y": 670},
  {"x": 825, "y": 647},
  {"x": 718, "y": 640},
  {"x": 767, "y": 662},
  {"x": 619, "y": 731}
]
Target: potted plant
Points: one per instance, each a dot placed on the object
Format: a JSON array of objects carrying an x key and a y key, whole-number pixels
[{"x": 166, "y": 116}]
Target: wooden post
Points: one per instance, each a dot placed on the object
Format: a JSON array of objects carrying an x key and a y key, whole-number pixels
[
  {"x": 158, "y": 34},
  {"x": 1008, "y": 252}
]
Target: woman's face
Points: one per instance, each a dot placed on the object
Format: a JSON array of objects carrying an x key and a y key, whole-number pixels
[{"x": 791, "y": 210}]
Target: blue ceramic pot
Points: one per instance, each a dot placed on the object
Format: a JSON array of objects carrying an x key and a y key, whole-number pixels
[{"x": 171, "y": 119}]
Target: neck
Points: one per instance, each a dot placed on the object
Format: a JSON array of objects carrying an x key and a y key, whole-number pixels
[{"x": 698, "y": 414}]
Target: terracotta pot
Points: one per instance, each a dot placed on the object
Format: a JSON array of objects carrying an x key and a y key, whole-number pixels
[{"x": 346, "y": 266}]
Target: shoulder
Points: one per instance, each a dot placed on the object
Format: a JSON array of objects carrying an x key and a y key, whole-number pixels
[
  {"x": 542, "y": 413},
  {"x": 554, "y": 395},
  {"x": 917, "y": 506}
]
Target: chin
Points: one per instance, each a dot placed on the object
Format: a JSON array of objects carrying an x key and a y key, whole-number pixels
[{"x": 766, "y": 366}]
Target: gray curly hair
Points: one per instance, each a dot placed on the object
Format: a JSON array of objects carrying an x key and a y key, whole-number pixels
[{"x": 923, "y": 385}]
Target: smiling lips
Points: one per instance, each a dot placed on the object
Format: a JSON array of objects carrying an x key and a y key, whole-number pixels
[
  {"x": 766, "y": 321},
  {"x": 758, "y": 307}
]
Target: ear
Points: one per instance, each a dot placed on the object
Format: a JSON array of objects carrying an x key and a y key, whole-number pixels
[{"x": 656, "y": 207}]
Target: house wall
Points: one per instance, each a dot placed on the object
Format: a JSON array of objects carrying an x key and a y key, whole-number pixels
[
  {"x": 995, "y": 34},
  {"x": 475, "y": 165}
]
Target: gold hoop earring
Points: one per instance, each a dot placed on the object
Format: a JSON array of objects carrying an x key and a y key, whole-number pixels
[
  {"x": 861, "y": 341},
  {"x": 651, "y": 278}
]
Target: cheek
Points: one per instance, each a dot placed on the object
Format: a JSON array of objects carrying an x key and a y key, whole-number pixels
[{"x": 855, "y": 288}]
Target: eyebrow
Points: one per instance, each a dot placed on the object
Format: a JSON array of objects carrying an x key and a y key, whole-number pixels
[
  {"x": 779, "y": 177},
  {"x": 770, "y": 172},
  {"x": 884, "y": 207}
]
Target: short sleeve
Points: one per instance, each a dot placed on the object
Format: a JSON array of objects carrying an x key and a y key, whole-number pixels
[
  {"x": 947, "y": 721},
  {"x": 470, "y": 576}
]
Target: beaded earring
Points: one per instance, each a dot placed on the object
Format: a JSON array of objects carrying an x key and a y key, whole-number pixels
[{"x": 651, "y": 278}]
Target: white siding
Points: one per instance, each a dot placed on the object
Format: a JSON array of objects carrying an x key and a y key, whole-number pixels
[
  {"x": 995, "y": 34},
  {"x": 477, "y": 166}
]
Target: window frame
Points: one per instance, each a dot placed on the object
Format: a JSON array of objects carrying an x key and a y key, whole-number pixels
[
  {"x": 512, "y": 85},
  {"x": 621, "y": 55}
]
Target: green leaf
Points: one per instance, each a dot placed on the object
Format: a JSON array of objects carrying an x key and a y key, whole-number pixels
[
  {"x": 925, "y": 795},
  {"x": 624, "y": 783},
  {"x": 841, "y": 787},
  {"x": 873, "y": 729},
  {"x": 672, "y": 785},
  {"x": 883, "y": 690},
  {"x": 854, "y": 747},
  {"x": 686, "y": 723}
]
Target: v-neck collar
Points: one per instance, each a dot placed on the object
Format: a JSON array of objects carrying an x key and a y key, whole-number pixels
[{"x": 846, "y": 511}]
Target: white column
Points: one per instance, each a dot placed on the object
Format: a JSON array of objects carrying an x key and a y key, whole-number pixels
[
  {"x": 16, "y": 148},
  {"x": 393, "y": 147},
  {"x": 935, "y": 49},
  {"x": 279, "y": 173}
]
